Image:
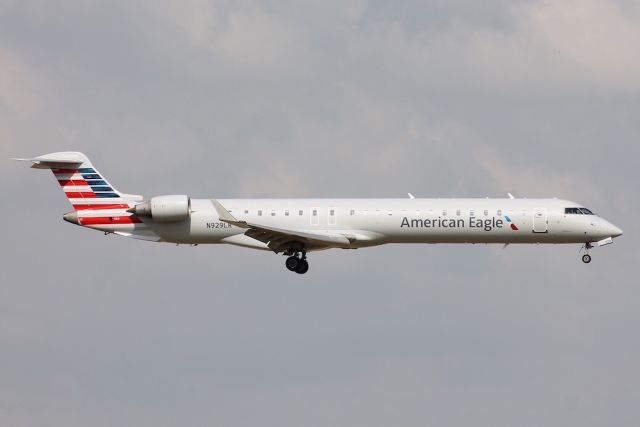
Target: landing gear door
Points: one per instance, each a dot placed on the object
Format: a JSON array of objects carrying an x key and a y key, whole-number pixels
[{"x": 540, "y": 220}]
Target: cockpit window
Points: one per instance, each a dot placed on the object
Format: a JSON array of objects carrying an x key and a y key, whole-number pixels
[{"x": 577, "y": 211}]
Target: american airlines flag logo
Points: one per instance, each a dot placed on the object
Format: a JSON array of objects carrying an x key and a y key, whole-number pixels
[
  {"x": 88, "y": 191},
  {"x": 513, "y": 226}
]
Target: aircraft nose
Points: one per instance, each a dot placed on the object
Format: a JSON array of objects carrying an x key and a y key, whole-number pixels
[
  {"x": 611, "y": 230},
  {"x": 615, "y": 231}
]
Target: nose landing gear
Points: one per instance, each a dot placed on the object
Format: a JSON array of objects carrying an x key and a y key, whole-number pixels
[
  {"x": 297, "y": 263},
  {"x": 586, "y": 258}
]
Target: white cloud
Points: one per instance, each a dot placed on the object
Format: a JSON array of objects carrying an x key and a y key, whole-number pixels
[
  {"x": 530, "y": 181},
  {"x": 232, "y": 99},
  {"x": 563, "y": 46},
  {"x": 18, "y": 93},
  {"x": 589, "y": 42},
  {"x": 21, "y": 93},
  {"x": 243, "y": 38}
]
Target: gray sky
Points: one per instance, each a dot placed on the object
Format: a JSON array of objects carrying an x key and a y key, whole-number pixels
[{"x": 346, "y": 98}]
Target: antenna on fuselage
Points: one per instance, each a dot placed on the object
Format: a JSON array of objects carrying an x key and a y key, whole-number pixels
[
  {"x": 411, "y": 196},
  {"x": 510, "y": 196}
]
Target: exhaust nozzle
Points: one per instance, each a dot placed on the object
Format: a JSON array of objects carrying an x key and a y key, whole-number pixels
[{"x": 141, "y": 209}]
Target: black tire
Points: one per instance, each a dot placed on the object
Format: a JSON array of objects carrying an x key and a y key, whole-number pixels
[
  {"x": 303, "y": 267},
  {"x": 292, "y": 263},
  {"x": 586, "y": 258}
]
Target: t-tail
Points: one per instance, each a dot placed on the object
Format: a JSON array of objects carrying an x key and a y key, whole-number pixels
[{"x": 96, "y": 203}]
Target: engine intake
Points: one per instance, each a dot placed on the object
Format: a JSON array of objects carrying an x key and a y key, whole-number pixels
[{"x": 165, "y": 208}]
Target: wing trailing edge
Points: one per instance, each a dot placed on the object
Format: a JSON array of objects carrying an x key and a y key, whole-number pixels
[{"x": 278, "y": 238}]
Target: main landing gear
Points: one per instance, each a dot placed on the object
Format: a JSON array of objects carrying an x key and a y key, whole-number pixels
[
  {"x": 297, "y": 263},
  {"x": 586, "y": 258}
]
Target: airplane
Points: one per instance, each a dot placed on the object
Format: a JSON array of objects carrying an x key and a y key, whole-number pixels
[{"x": 295, "y": 227}]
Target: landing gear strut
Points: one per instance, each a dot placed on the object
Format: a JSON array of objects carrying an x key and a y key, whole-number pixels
[
  {"x": 297, "y": 263},
  {"x": 586, "y": 258}
]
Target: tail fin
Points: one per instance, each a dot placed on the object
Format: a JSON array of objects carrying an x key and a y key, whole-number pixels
[{"x": 84, "y": 186}]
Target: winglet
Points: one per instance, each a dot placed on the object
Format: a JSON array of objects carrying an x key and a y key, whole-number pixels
[
  {"x": 510, "y": 196},
  {"x": 225, "y": 215},
  {"x": 411, "y": 196}
]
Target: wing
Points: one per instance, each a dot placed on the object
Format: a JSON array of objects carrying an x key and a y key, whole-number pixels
[{"x": 280, "y": 240}]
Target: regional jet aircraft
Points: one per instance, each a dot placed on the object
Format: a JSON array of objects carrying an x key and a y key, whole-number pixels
[{"x": 295, "y": 227}]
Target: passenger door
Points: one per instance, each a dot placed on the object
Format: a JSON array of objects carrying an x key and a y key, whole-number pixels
[{"x": 540, "y": 220}]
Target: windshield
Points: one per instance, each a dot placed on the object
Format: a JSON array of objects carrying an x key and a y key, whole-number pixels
[{"x": 577, "y": 211}]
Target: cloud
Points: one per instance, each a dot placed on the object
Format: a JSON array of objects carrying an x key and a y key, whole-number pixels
[
  {"x": 583, "y": 44},
  {"x": 332, "y": 99},
  {"x": 597, "y": 40},
  {"x": 242, "y": 38},
  {"x": 18, "y": 86},
  {"x": 587, "y": 42},
  {"x": 532, "y": 180}
]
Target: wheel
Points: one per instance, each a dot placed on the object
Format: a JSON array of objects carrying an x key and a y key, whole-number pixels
[
  {"x": 303, "y": 267},
  {"x": 292, "y": 263},
  {"x": 586, "y": 258}
]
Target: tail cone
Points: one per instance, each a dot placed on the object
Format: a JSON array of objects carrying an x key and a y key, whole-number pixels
[{"x": 71, "y": 217}]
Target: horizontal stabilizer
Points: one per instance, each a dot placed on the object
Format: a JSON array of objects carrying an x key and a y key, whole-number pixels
[
  {"x": 65, "y": 160},
  {"x": 83, "y": 185}
]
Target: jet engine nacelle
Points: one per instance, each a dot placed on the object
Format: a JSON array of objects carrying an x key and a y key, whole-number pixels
[{"x": 165, "y": 208}]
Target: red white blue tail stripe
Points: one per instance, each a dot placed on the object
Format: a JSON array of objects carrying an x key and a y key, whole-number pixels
[{"x": 98, "y": 203}]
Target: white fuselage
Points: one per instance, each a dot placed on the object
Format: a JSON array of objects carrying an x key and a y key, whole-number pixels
[
  {"x": 294, "y": 227},
  {"x": 370, "y": 222}
]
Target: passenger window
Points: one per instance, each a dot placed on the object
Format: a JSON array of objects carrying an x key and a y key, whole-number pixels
[
  {"x": 444, "y": 212},
  {"x": 300, "y": 212},
  {"x": 332, "y": 212},
  {"x": 458, "y": 212},
  {"x": 486, "y": 212},
  {"x": 259, "y": 213},
  {"x": 246, "y": 211},
  {"x": 471, "y": 212},
  {"x": 273, "y": 213},
  {"x": 352, "y": 212},
  {"x": 286, "y": 213}
]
